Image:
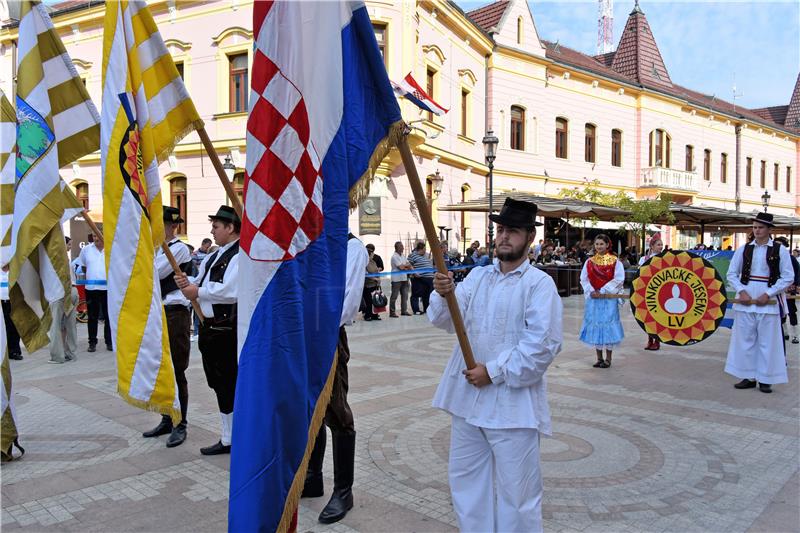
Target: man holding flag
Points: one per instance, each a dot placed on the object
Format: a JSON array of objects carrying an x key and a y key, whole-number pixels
[{"x": 311, "y": 150}]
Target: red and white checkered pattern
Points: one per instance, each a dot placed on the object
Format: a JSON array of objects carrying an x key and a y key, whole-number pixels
[{"x": 283, "y": 181}]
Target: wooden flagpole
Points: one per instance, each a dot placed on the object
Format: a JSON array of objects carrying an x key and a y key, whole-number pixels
[
  {"x": 433, "y": 240},
  {"x": 226, "y": 183},
  {"x": 92, "y": 225}
]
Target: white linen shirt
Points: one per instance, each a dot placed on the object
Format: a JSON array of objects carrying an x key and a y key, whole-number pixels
[
  {"x": 357, "y": 259},
  {"x": 398, "y": 261},
  {"x": 3, "y": 285},
  {"x": 93, "y": 262},
  {"x": 760, "y": 268},
  {"x": 164, "y": 269},
  {"x": 513, "y": 322},
  {"x": 214, "y": 292},
  {"x": 613, "y": 286}
]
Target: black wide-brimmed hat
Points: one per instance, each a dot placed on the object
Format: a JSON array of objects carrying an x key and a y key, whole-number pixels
[
  {"x": 764, "y": 218},
  {"x": 516, "y": 214},
  {"x": 172, "y": 214},
  {"x": 226, "y": 213}
]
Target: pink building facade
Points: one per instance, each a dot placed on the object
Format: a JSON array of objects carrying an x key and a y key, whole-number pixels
[{"x": 563, "y": 118}]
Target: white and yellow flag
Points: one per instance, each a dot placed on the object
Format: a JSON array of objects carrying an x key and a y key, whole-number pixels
[
  {"x": 57, "y": 123},
  {"x": 8, "y": 126},
  {"x": 146, "y": 112}
]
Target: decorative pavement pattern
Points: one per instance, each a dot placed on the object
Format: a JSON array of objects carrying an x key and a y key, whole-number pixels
[{"x": 659, "y": 442}]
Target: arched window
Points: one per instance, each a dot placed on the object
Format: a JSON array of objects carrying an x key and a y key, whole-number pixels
[
  {"x": 517, "y": 128},
  {"x": 465, "y": 196},
  {"x": 519, "y": 30},
  {"x": 238, "y": 186},
  {"x": 707, "y": 164},
  {"x": 660, "y": 149},
  {"x": 177, "y": 198},
  {"x": 562, "y": 131},
  {"x": 723, "y": 168},
  {"x": 589, "y": 143},
  {"x": 82, "y": 192},
  {"x": 689, "y": 158},
  {"x": 616, "y": 148}
]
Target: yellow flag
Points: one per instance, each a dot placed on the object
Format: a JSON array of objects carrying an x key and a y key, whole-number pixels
[{"x": 146, "y": 112}]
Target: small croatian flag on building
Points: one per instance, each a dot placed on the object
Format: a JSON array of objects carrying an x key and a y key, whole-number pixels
[
  {"x": 410, "y": 89},
  {"x": 322, "y": 117}
]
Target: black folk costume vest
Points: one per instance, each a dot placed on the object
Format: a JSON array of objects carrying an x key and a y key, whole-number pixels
[
  {"x": 168, "y": 283},
  {"x": 222, "y": 312},
  {"x": 773, "y": 263}
]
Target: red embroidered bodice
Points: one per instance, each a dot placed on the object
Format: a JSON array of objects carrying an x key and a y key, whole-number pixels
[{"x": 600, "y": 270}]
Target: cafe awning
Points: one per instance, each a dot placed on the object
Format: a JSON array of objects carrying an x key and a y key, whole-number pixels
[
  {"x": 707, "y": 218},
  {"x": 548, "y": 207}
]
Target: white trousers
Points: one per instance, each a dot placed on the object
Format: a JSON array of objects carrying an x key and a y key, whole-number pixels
[
  {"x": 756, "y": 349},
  {"x": 495, "y": 480},
  {"x": 227, "y": 428},
  {"x": 63, "y": 333}
]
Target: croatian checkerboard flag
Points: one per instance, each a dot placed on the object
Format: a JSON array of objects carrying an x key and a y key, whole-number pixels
[
  {"x": 322, "y": 117},
  {"x": 410, "y": 89}
]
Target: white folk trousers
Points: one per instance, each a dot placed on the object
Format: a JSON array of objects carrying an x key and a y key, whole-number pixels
[
  {"x": 495, "y": 480},
  {"x": 756, "y": 349}
]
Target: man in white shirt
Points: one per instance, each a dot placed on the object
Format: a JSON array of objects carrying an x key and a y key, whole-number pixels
[
  {"x": 63, "y": 328},
  {"x": 513, "y": 317},
  {"x": 179, "y": 318},
  {"x": 93, "y": 261},
  {"x": 759, "y": 271},
  {"x": 215, "y": 289},
  {"x": 339, "y": 416},
  {"x": 399, "y": 281}
]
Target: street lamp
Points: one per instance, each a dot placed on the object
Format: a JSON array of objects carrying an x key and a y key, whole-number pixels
[
  {"x": 765, "y": 199},
  {"x": 436, "y": 182},
  {"x": 229, "y": 168},
  {"x": 490, "y": 151}
]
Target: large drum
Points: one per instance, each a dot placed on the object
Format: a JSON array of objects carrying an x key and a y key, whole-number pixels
[{"x": 679, "y": 297}]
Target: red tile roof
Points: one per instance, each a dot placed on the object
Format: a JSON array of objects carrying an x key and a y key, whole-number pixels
[
  {"x": 605, "y": 59},
  {"x": 487, "y": 17},
  {"x": 793, "y": 112},
  {"x": 637, "y": 55},
  {"x": 775, "y": 113}
]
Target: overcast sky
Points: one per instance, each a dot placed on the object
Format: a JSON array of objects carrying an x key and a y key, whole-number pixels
[{"x": 704, "y": 44}]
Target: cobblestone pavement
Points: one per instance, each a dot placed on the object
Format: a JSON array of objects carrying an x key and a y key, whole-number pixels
[{"x": 659, "y": 442}]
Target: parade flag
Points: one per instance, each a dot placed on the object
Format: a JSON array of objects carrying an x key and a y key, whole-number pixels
[
  {"x": 57, "y": 123},
  {"x": 9, "y": 437},
  {"x": 410, "y": 89},
  {"x": 146, "y": 112},
  {"x": 8, "y": 139},
  {"x": 322, "y": 117}
]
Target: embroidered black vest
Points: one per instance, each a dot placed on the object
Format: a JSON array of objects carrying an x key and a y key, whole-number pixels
[
  {"x": 168, "y": 283},
  {"x": 222, "y": 312},
  {"x": 773, "y": 263}
]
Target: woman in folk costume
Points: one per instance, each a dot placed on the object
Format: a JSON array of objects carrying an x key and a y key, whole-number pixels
[
  {"x": 656, "y": 247},
  {"x": 602, "y": 274}
]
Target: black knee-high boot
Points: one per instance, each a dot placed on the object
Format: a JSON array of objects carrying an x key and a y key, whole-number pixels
[
  {"x": 313, "y": 487},
  {"x": 344, "y": 457}
]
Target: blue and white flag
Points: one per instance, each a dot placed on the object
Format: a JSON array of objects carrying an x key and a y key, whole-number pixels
[{"x": 322, "y": 117}]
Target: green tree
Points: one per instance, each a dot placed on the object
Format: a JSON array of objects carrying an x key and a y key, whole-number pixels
[{"x": 643, "y": 211}]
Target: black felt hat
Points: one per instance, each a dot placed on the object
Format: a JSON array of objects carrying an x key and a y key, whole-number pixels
[
  {"x": 226, "y": 213},
  {"x": 516, "y": 214},
  {"x": 172, "y": 214},
  {"x": 764, "y": 218}
]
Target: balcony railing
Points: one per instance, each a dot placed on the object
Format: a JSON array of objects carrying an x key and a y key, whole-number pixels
[{"x": 669, "y": 178}]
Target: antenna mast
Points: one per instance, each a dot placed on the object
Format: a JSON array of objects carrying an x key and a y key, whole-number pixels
[{"x": 605, "y": 26}]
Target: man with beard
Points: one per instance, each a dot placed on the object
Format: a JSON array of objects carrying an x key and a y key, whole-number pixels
[{"x": 499, "y": 408}]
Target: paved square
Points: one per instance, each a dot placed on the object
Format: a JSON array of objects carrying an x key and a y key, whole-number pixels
[{"x": 659, "y": 442}]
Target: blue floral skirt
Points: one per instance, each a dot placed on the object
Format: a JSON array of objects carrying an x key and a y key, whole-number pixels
[{"x": 601, "y": 323}]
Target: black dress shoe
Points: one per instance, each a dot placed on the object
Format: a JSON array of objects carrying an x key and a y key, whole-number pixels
[
  {"x": 177, "y": 436},
  {"x": 109, "y": 347},
  {"x": 746, "y": 384},
  {"x": 15, "y": 356},
  {"x": 92, "y": 348},
  {"x": 163, "y": 428},
  {"x": 216, "y": 449},
  {"x": 344, "y": 451},
  {"x": 765, "y": 387}
]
